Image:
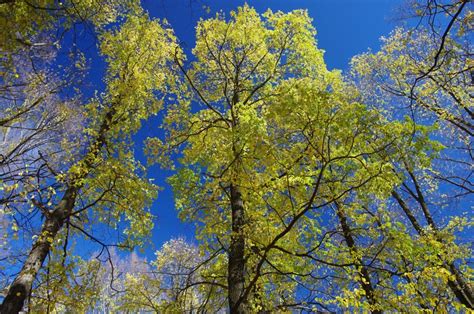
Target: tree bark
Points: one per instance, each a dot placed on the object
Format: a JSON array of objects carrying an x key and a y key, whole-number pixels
[
  {"x": 20, "y": 289},
  {"x": 236, "y": 264},
  {"x": 461, "y": 288},
  {"x": 365, "y": 283}
]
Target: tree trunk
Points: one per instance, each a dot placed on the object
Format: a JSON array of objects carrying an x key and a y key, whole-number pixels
[
  {"x": 236, "y": 265},
  {"x": 461, "y": 288},
  {"x": 365, "y": 283},
  {"x": 20, "y": 289}
]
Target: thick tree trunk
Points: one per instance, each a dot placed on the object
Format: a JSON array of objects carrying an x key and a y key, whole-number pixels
[
  {"x": 20, "y": 289},
  {"x": 236, "y": 265},
  {"x": 365, "y": 283}
]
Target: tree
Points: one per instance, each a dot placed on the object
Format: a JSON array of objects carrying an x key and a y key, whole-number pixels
[
  {"x": 173, "y": 283},
  {"x": 425, "y": 72},
  {"x": 100, "y": 181},
  {"x": 268, "y": 142},
  {"x": 170, "y": 283},
  {"x": 86, "y": 285},
  {"x": 41, "y": 100}
]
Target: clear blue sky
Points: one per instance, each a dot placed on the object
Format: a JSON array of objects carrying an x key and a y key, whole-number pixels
[{"x": 345, "y": 28}]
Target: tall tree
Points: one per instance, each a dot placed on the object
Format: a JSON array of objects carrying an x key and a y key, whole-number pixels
[
  {"x": 269, "y": 142},
  {"x": 426, "y": 73},
  {"x": 100, "y": 181}
]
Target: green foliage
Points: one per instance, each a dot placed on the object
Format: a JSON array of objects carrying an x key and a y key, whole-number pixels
[
  {"x": 270, "y": 119},
  {"x": 341, "y": 186}
]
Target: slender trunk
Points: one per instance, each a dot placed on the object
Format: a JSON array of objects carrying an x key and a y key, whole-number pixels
[
  {"x": 421, "y": 200},
  {"x": 236, "y": 265},
  {"x": 408, "y": 212},
  {"x": 20, "y": 289},
  {"x": 459, "y": 286},
  {"x": 365, "y": 282}
]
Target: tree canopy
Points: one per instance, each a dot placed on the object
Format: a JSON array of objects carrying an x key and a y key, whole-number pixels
[{"x": 310, "y": 189}]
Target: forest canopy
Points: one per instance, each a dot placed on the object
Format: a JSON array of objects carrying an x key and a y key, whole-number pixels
[{"x": 309, "y": 189}]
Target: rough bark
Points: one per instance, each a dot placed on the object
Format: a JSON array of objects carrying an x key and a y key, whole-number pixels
[{"x": 236, "y": 265}]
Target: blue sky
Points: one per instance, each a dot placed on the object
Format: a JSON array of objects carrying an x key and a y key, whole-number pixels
[{"x": 345, "y": 28}]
